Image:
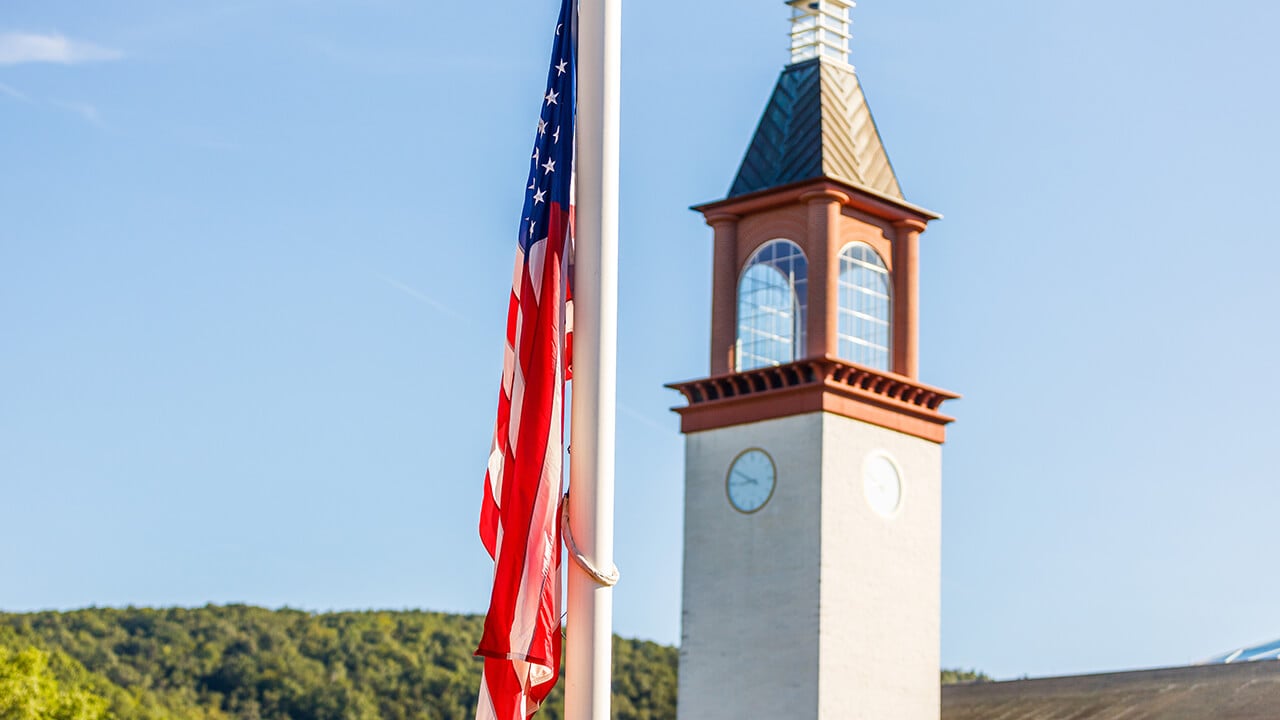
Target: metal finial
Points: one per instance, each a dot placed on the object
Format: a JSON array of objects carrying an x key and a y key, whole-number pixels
[{"x": 820, "y": 29}]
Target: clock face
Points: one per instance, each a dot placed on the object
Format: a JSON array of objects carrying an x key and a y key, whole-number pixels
[
  {"x": 882, "y": 483},
  {"x": 751, "y": 480}
]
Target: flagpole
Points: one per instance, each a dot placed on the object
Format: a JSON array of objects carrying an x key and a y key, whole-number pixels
[{"x": 588, "y": 645}]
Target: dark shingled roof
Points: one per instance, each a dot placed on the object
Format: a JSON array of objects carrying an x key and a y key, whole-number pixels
[
  {"x": 1248, "y": 691},
  {"x": 817, "y": 124}
]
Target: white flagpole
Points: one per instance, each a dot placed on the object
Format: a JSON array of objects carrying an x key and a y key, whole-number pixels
[{"x": 588, "y": 647}]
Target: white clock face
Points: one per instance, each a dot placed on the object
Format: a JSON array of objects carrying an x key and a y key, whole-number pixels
[
  {"x": 751, "y": 480},
  {"x": 883, "y": 483}
]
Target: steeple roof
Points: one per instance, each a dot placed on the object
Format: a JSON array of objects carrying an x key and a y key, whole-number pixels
[{"x": 817, "y": 124}]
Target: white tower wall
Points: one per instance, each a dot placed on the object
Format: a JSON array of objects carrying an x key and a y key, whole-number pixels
[
  {"x": 749, "y": 638},
  {"x": 815, "y": 606},
  {"x": 880, "y": 579}
]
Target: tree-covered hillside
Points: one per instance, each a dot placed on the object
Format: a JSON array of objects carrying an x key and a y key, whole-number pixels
[
  {"x": 213, "y": 663},
  {"x": 220, "y": 663},
  {"x": 963, "y": 677}
]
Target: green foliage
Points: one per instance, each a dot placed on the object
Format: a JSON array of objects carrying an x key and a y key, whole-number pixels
[
  {"x": 959, "y": 677},
  {"x": 218, "y": 663},
  {"x": 247, "y": 663},
  {"x": 644, "y": 680},
  {"x": 30, "y": 690}
]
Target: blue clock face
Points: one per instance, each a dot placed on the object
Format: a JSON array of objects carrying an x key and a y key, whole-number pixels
[{"x": 752, "y": 477}]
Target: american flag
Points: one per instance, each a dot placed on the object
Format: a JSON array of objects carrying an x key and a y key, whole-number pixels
[{"x": 519, "y": 521}]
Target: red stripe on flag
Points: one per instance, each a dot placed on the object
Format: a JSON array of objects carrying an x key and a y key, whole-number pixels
[{"x": 519, "y": 520}]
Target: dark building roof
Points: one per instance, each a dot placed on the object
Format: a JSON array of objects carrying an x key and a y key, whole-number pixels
[
  {"x": 817, "y": 124},
  {"x": 1248, "y": 691}
]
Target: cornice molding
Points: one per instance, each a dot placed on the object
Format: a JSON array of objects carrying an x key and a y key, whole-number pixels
[
  {"x": 874, "y": 204},
  {"x": 822, "y": 384}
]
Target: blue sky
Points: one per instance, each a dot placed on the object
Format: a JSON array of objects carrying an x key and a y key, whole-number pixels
[{"x": 254, "y": 261}]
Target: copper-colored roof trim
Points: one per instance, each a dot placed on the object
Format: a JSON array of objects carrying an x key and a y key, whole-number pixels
[
  {"x": 821, "y": 384},
  {"x": 861, "y": 198}
]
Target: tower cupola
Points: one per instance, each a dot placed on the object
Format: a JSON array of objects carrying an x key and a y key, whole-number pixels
[
  {"x": 817, "y": 252},
  {"x": 817, "y": 123},
  {"x": 820, "y": 29}
]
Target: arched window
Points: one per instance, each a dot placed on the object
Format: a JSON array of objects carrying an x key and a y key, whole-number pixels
[
  {"x": 771, "y": 306},
  {"x": 866, "y": 304}
]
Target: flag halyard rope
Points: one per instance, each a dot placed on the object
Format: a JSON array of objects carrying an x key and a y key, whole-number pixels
[{"x": 603, "y": 579}]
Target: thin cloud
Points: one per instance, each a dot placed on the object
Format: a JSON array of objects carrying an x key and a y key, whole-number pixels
[
  {"x": 642, "y": 418},
  {"x": 13, "y": 93},
  {"x": 19, "y": 48},
  {"x": 419, "y": 295},
  {"x": 84, "y": 110}
]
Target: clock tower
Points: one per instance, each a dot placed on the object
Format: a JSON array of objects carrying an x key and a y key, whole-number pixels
[{"x": 813, "y": 470}]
